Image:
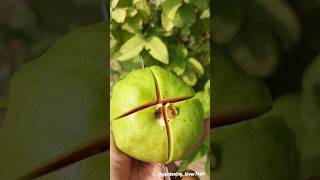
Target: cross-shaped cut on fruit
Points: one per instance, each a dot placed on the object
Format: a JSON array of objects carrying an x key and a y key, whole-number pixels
[{"x": 154, "y": 116}]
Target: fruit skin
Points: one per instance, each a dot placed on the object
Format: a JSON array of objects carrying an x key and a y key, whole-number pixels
[
  {"x": 261, "y": 148},
  {"x": 144, "y": 133},
  {"x": 94, "y": 167},
  {"x": 57, "y": 105}
]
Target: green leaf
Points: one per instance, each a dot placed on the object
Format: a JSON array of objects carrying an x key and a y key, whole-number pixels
[
  {"x": 178, "y": 63},
  {"x": 185, "y": 16},
  {"x": 278, "y": 15},
  {"x": 178, "y": 66},
  {"x": 169, "y": 10},
  {"x": 230, "y": 105},
  {"x": 190, "y": 78},
  {"x": 157, "y": 3},
  {"x": 205, "y": 14},
  {"x": 130, "y": 48},
  {"x": 131, "y": 11},
  {"x": 143, "y": 7},
  {"x": 181, "y": 51},
  {"x": 157, "y": 49},
  {"x": 262, "y": 148},
  {"x": 114, "y": 3},
  {"x": 256, "y": 53},
  {"x": 207, "y": 86},
  {"x": 195, "y": 65},
  {"x": 119, "y": 15},
  {"x": 185, "y": 32},
  {"x": 133, "y": 24}
]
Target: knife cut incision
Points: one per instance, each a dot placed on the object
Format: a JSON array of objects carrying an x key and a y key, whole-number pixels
[
  {"x": 235, "y": 117},
  {"x": 158, "y": 101},
  {"x": 164, "y": 110},
  {"x": 88, "y": 151}
]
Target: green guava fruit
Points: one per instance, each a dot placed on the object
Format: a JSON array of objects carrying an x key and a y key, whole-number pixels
[
  {"x": 262, "y": 148},
  {"x": 229, "y": 105},
  {"x": 93, "y": 168},
  {"x": 155, "y": 116},
  {"x": 290, "y": 108},
  {"x": 57, "y": 106}
]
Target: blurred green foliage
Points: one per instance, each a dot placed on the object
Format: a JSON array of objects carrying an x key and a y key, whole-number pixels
[
  {"x": 56, "y": 108},
  {"x": 276, "y": 42},
  {"x": 28, "y": 28}
]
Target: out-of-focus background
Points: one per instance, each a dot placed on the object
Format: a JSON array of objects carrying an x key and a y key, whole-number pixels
[
  {"x": 29, "y": 27},
  {"x": 270, "y": 40},
  {"x": 276, "y": 42}
]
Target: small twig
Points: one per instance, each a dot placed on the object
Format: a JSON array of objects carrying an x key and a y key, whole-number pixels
[{"x": 142, "y": 63}]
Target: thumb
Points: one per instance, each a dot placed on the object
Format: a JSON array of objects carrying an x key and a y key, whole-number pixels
[{"x": 120, "y": 163}]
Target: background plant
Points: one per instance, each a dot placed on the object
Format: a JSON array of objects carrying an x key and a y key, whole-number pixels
[
  {"x": 275, "y": 43},
  {"x": 174, "y": 34},
  {"x": 28, "y": 28}
]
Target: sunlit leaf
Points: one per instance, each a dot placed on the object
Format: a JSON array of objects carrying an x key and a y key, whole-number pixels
[
  {"x": 190, "y": 78},
  {"x": 207, "y": 85},
  {"x": 114, "y": 3},
  {"x": 205, "y": 14},
  {"x": 157, "y": 49},
  {"x": 169, "y": 9},
  {"x": 196, "y": 66},
  {"x": 119, "y": 15},
  {"x": 130, "y": 48},
  {"x": 157, "y": 3},
  {"x": 143, "y": 7},
  {"x": 131, "y": 11}
]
